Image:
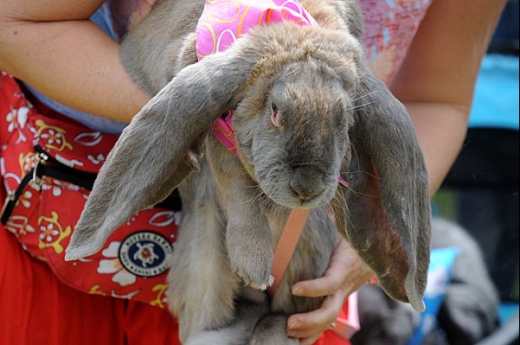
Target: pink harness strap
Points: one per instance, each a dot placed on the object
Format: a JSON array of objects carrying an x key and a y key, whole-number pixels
[{"x": 286, "y": 246}]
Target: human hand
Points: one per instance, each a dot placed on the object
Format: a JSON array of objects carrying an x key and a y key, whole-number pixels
[{"x": 345, "y": 275}]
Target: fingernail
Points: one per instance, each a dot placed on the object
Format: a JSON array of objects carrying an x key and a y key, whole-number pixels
[
  {"x": 293, "y": 325},
  {"x": 298, "y": 291}
]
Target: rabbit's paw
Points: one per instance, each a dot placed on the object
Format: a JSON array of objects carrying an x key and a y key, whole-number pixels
[
  {"x": 253, "y": 266},
  {"x": 262, "y": 287}
]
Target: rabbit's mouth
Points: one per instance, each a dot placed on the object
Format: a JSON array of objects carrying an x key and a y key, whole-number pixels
[
  {"x": 307, "y": 194},
  {"x": 295, "y": 199},
  {"x": 296, "y": 192}
]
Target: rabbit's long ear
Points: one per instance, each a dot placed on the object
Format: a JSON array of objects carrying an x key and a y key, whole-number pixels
[
  {"x": 385, "y": 212},
  {"x": 154, "y": 153}
]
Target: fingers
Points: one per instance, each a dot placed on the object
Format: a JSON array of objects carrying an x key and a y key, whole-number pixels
[
  {"x": 309, "y": 325},
  {"x": 327, "y": 285},
  {"x": 331, "y": 281},
  {"x": 345, "y": 272}
]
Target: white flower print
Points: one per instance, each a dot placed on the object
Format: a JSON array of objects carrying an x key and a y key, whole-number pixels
[
  {"x": 56, "y": 189},
  {"x": 99, "y": 159},
  {"x": 48, "y": 232},
  {"x": 26, "y": 228},
  {"x": 19, "y": 225},
  {"x": 28, "y": 162},
  {"x": 112, "y": 265},
  {"x": 23, "y": 113},
  {"x": 57, "y": 186},
  {"x": 16, "y": 119},
  {"x": 25, "y": 199},
  {"x": 11, "y": 120},
  {"x": 52, "y": 137}
]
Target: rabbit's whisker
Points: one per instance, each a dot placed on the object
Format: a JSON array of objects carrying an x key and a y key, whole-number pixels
[
  {"x": 361, "y": 172},
  {"x": 366, "y": 95},
  {"x": 341, "y": 201},
  {"x": 361, "y": 106}
]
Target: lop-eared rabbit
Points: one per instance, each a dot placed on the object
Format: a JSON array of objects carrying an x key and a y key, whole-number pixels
[{"x": 333, "y": 119}]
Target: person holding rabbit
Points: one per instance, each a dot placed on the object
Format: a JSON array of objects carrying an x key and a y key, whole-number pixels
[{"x": 70, "y": 81}]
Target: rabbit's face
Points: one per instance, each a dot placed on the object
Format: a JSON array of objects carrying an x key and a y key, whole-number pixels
[{"x": 295, "y": 140}]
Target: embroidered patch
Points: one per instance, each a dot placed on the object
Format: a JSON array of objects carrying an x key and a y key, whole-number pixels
[{"x": 145, "y": 253}]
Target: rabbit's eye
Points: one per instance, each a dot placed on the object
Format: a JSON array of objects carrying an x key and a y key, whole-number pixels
[{"x": 275, "y": 118}]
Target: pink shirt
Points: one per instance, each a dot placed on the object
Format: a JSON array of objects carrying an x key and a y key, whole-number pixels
[{"x": 390, "y": 26}]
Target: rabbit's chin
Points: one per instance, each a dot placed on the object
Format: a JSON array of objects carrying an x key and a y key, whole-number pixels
[{"x": 287, "y": 198}]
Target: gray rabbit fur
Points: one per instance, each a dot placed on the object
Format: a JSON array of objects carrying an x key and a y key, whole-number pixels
[{"x": 336, "y": 119}]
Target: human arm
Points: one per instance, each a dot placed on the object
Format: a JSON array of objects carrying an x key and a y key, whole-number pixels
[
  {"x": 436, "y": 84},
  {"x": 53, "y": 46},
  {"x": 437, "y": 80}
]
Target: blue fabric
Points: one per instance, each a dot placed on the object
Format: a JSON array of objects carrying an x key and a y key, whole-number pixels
[
  {"x": 439, "y": 278},
  {"x": 506, "y": 311},
  {"x": 103, "y": 19},
  {"x": 496, "y": 95}
]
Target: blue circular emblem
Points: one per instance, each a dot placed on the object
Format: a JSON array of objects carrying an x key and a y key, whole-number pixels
[{"x": 145, "y": 253}]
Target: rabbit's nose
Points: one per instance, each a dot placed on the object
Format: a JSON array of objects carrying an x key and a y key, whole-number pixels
[{"x": 307, "y": 182}]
